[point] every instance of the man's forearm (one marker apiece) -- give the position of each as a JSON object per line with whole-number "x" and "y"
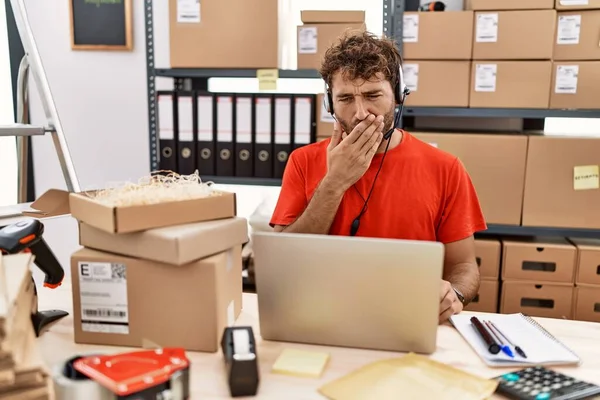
{"x": 320, "y": 212}
{"x": 465, "y": 278}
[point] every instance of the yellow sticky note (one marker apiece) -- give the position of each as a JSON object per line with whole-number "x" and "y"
{"x": 586, "y": 177}
{"x": 301, "y": 363}
{"x": 267, "y": 79}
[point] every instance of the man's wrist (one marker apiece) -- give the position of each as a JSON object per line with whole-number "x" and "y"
{"x": 331, "y": 187}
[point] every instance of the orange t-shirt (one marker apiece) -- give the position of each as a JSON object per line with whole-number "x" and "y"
{"x": 421, "y": 193}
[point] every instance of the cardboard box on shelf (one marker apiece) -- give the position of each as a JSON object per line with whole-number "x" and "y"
{"x": 588, "y": 261}
{"x": 575, "y": 85}
{"x": 138, "y": 218}
{"x": 224, "y": 34}
{"x": 510, "y": 84}
{"x": 562, "y": 182}
{"x": 498, "y": 183}
{"x": 125, "y": 301}
{"x": 537, "y": 299}
{"x": 437, "y": 83}
{"x": 576, "y": 36}
{"x": 514, "y": 35}
{"x": 488, "y": 255}
{"x": 487, "y": 298}
{"x": 437, "y": 35}
{"x": 586, "y": 305}
{"x": 321, "y": 29}
{"x": 551, "y": 259}
{"x": 509, "y": 4}
{"x": 178, "y": 244}
{"x": 577, "y": 4}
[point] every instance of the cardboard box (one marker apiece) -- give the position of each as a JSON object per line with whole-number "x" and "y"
{"x": 562, "y": 182}
{"x": 498, "y": 183}
{"x": 577, "y": 35}
{"x": 577, "y": 5}
{"x": 509, "y": 4}
{"x": 587, "y": 303}
{"x": 153, "y": 304}
{"x": 588, "y": 261}
{"x": 546, "y": 300}
{"x": 138, "y": 218}
{"x": 510, "y": 84}
{"x": 178, "y": 245}
{"x": 429, "y": 84}
{"x": 324, "y": 120}
{"x": 488, "y": 255}
{"x": 514, "y": 35}
{"x": 539, "y": 260}
{"x": 575, "y": 85}
{"x": 224, "y": 34}
{"x": 320, "y": 30}
{"x": 487, "y": 298}
{"x": 438, "y": 35}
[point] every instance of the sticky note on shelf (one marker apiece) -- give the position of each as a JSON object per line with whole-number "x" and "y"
{"x": 586, "y": 177}
{"x": 267, "y": 79}
{"x": 301, "y": 363}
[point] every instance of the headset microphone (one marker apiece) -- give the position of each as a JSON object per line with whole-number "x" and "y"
{"x": 433, "y": 6}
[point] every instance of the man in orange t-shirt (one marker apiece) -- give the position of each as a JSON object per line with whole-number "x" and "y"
{"x": 342, "y": 186}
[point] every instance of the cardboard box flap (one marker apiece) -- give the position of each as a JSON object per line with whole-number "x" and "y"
{"x": 331, "y": 17}
{"x": 52, "y": 203}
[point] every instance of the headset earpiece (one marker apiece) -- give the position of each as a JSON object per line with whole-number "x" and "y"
{"x": 327, "y": 100}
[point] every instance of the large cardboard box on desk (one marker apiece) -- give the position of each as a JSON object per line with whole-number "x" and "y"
{"x": 510, "y": 84}
{"x": 437, "y": 35}
{"x": 498, "y": 183}
{"x": 177, "y": 245}
{"x": 224, "y": 34}
{"x": 321, "y": 29}
{"x": 125, "y": 301}
{"x": 575, "y": 84}
{"x": 429, "y": 84}
{"x": 562, "y": 182}
{"x": 577, "y": 36}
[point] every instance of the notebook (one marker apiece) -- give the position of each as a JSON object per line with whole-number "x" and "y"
{"x": 539, "y": 345}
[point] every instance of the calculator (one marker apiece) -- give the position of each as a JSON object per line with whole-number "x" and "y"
{"x": 540, "y": 383}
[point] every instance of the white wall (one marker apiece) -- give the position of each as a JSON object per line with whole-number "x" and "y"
{"x": 8, "y": 150}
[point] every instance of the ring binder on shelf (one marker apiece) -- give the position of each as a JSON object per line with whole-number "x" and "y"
{"x": 263, "y": 136}
{"x": 283, "y": 133}
{"x": 205, "y": 128}
{"x": 225, "y": 152}
{"x": 186, "y": 143}
{"x": 243, "y": 135}
{"x": 166, "y": 130}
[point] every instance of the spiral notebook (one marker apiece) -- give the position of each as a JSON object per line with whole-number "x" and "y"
{"x": 539, "y": 345}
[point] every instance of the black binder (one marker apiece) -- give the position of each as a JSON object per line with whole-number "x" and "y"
{"x": 303, "y": 115}
{"x": 166, "y": 130}
{"x": 282, "y": 146}
{"x": 225, "y": 151}
{"x": 263, "y": 118}
{"x": 205, "y": 133}
{"x": 243, "y": 135}
{"x": 184, "y": 128}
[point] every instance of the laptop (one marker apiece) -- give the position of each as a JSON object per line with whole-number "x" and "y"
{"x": 368, "y": 293}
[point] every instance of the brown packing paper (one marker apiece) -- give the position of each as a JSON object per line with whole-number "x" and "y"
{"x": 410, "y": 377}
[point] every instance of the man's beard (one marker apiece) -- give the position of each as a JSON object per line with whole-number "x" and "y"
{"x": 388, "y": 120}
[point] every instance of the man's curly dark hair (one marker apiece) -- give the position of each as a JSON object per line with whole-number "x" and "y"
{"x": 361, "y": 55}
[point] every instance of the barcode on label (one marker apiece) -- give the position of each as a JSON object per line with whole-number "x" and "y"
{"x": 104, "y": 313}
{"x": 118, "y": 271}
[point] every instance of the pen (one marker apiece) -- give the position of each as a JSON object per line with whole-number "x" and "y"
{"x": 485, "y": 335}
{"x": 505, "y": 348}
{"x": 517, "y": 348}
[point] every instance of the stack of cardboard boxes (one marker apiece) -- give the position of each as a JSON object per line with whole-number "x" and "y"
{"x": 157, "y": 275}
{"x": 586, "y": 299}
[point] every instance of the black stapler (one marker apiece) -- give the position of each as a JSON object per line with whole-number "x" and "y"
{"x": 241, "y": 360}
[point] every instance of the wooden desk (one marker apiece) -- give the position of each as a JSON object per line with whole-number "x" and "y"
{"x": 207, "y": 373}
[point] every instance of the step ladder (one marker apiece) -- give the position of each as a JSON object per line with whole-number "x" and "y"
{"x": 32, "y": 62}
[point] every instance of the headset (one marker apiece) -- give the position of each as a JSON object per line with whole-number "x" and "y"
{"x": 400, "y": 93}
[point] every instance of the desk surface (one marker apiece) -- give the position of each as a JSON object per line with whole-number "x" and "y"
{"x": 208, "y": 379}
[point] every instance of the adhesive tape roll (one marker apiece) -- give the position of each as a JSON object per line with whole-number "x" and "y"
{"x": 78, "y": 387}
{"x": 241, "y": 341}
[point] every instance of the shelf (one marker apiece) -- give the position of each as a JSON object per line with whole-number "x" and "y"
{"x": 498, "y": 112}
{"x": 238, "y": 180}
{"x": 232, "y": 73}
{"x": 515, "y": 230}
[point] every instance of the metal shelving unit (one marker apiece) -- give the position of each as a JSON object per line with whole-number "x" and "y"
{"x": 393, "y": 10}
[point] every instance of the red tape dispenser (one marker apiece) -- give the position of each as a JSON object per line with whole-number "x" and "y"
{"x": 140, "y": 375}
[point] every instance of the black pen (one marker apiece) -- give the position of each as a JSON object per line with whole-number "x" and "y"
{"x": 492, "y": 346}
{"x": 517, "y": 348}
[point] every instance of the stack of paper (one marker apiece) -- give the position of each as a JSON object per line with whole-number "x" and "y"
{"x": 22, "y": 373}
